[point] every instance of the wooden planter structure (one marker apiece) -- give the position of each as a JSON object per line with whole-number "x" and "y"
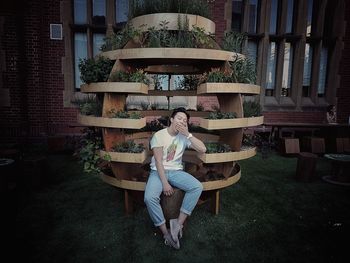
{"x": 130, "y": 170}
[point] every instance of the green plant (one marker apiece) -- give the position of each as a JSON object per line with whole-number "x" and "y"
{"x": 118, "y": 40}
{"x": 233, "y": 41}
{"x": 200, "y": 107}
{"x": 188, "y": 82}
{"x": 129, "y": 147}
{"x": 154, "y": 125}
{"x": 251, "y": 109}
{"x": 136, "y": 76}
{"x": 95, "y": 70}
{"x": 217, "y": 115}
{"x": 217, "y": 76}
{"x": 215, "y": 147}
{"x": 243, "y": 71}
{"x": 89, "y": 105}
{"x": 87, "y": 151}
{"x": 181, "y": 38}
{"x": 123, "y": 114}
{"x": 195, "y": 7}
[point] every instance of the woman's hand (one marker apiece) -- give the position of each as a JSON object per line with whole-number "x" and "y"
{"x": 167, "y": 189}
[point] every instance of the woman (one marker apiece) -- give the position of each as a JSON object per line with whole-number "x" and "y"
{"x": 168, "y": 146}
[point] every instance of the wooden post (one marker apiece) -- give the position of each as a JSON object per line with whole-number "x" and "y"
{"x": 128, "y": 202}
{"x": 215, "y": 202}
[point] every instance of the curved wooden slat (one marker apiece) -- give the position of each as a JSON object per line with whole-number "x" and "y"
{"x": 153, "y": 20}
{"x": 208, "y": 88}
{"x": 115, "y": 87}
{"x": 230, "y": 123}
{"x": 228, "y": 156}
{"x": 111, "y": 122}
{"x": 140, "y": 186}
{"x": 126, "y": 157}
{"x": 166, "y": 55}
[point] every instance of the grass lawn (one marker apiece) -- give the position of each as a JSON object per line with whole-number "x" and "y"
{"x": 266, "y": 217}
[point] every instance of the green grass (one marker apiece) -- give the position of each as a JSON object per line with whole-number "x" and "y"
{"x": 266, "y": 217}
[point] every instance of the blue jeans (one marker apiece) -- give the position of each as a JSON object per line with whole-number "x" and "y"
{"x": 179, "y": 179}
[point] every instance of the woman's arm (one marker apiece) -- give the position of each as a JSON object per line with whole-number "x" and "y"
{"x": 158, "y": 157}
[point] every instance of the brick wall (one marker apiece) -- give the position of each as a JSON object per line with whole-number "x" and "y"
{"x": 34, "y": 77}
{"x": 33, "y": 74}
{"x": 343, "y": 93}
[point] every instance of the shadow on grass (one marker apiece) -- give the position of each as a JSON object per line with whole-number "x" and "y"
{"x": 266, "y": 217}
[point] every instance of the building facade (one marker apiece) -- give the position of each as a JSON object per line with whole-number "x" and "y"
{"x": 300, "y": 49}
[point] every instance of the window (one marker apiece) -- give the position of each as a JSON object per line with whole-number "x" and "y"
{"x": 287, "y": 70}
{"x": 322, "y": 76}
{"x": 89, "y": 32}
{"x": 253, "y": 16}
{"x": 307, "y": 71}
{"x": 236, "y": 23}
{"x": 80, "y": 52}
{"x": 271, "y": 69}
{"x": 309, "y": 17}
{"x": 273, "y": 17}
{"x": 80, "y": 12}
{"x": 290, "y": 12}
{"x": 252, "y": 51}
{"x": 292, "y": 36}
{"x": 121, "y": 10}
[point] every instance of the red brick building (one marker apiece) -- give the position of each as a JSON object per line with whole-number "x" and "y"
{"x": 38, "y": 77}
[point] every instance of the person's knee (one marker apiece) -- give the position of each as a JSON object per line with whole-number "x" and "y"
{"x": 199, "y": 187}
{"x": 150, "y": 199}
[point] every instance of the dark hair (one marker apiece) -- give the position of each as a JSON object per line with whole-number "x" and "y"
{"x": 330, "y": 107}
{"x": 181, "y": 109}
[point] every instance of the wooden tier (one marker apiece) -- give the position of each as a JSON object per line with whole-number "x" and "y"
{"x": 228, "y": 156}
{"x": 168, "y": 113}
{"x": 209, "y": 88}
{"x": 141, "y": 57}
{"x": 126, "y": 157}
{"x": 117, "y": 87}
{"x": 172, "y": 93}
{"x": 140, "y": 186}
{"x": 111, "y": 122}
{"x": 144, "y": 22}
{"x": 230, "y": 123}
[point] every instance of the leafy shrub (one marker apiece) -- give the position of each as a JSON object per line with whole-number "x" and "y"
{"x": 95, "y": 70}
{"x": 195, "y": 7}
{"x": 243, "y": 71}
{"x": 233, "y": 41}
{"x": 89, "y": 105}
{"x": 217, "y": 115}
{"x": 128, "y": 147}
{"x": 118, "y": 40}
{"x": 215, "y": 147}
{"x": 87, "y": 151}
{"x": 123, "y": 114}
{"x": 218, "y": 76}
{"x": 189, "y": 82}
{"x": 154, "y": 126}
{"x": 251, "y": 109}
{"x": 137, "y": 76}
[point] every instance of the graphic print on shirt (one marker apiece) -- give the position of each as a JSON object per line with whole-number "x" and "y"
{"x": 170, "y": 154}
